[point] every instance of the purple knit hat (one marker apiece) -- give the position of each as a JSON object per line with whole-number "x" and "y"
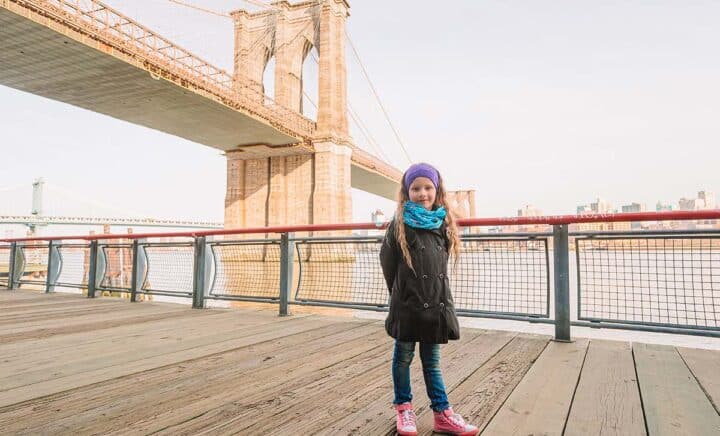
{"x": 421, "y": 170}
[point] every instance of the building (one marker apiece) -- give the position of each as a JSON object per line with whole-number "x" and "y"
{"x": 599, "y": 206}
{"x": 378, "y": 217}
{"x": 708, "y": 198}
{"x": 663, "y": 206}
{"x": 704, "y": 200}
{"x": 529, "y": 210}
{"x": 583, "y": 209}
{"x": 633, "y": 208}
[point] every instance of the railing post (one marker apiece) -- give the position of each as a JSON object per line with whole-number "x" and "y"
{"x": 135, "y": 270}
{"x": 562, "y": 282}
{"x": 92, "y": 269}
{"x": 53, "y": 266}
{"x": 287, "y": 254}
{"x": 11, "y": 266}
{"x": 199, "y": 270}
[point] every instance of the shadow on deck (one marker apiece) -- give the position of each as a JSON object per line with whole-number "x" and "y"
{"x": 80, "y": 366}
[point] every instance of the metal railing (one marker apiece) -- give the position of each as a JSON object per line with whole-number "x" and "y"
{"x": 165, "y": 58}
{"x": 654, "y": 281}
{"x": 655, "y": 278}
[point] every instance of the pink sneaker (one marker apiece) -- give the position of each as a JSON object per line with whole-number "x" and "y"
{"x": 449, "y": 422}
{"x": 405, "y": 420}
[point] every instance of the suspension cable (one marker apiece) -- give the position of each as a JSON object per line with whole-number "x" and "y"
{"x": 353, "y": 114}
{"x": 377, "y": 97}
{"x": 198, "y": 8}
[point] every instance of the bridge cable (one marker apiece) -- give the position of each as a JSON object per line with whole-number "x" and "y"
{"x": 198, "y": 8}
{"x": 353, "y": 114}
{"x": 377, "y": 97}
{"x": 358, "y": 122}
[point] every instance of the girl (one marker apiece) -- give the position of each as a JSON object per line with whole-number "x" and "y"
{"x": 414, "y": 257}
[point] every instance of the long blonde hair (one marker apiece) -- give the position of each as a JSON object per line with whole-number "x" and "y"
{"x": 451, "y": 226}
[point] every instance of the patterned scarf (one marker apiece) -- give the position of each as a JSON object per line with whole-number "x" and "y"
{"x": 418, "y": 217}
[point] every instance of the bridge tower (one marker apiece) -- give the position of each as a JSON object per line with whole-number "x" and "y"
{"x": 37, "y": 203}
{"x": 293, "y": 185}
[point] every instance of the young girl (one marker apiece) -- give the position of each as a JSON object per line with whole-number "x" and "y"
{"x": 414, "y": 258}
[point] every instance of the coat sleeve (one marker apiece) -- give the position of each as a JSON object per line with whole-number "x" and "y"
{"x": 389, "y": 256}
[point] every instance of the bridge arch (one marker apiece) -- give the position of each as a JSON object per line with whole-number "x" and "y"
{"x": 295, "y": 183}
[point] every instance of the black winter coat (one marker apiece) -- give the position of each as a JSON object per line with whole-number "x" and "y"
{"x": 421, "y": 305}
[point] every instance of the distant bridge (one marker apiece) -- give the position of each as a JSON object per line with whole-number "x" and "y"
{"x": 34, "y": 220}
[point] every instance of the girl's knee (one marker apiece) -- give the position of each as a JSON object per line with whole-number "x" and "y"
{"x": 430, "y": 356}
{"x": 404, "y": 353}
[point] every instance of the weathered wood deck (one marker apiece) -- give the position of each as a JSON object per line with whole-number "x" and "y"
{"x": 78, "y": 366}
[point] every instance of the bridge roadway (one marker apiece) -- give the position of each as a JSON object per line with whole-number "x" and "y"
{"x": 114, "y": 66}
{"x": 103, "y": 366}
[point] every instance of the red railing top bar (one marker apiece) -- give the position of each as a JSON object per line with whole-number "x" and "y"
{"x": 676, "y": 215}
{"x": 470, "y": 222}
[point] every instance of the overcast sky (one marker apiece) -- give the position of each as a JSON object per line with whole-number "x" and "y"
{"x": 549, "y": 103}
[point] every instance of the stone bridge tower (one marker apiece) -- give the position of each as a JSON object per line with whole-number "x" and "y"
{"x": 310, "y": 183}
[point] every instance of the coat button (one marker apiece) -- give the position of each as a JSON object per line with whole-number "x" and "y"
{"x": 426, "y": 305}
{"x": 439, "y": 247}
{"x": 442, "y": 305}
{"x": 441, "y": 275}
{"x": 425, "y": 276}
{"x": 422, "y": 247}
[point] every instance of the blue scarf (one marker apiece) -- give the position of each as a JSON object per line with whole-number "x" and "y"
{"x": 418, "y": 217}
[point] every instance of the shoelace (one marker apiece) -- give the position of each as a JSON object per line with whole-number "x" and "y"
{"x": 457, "y": 419}
{"x": 408, "y": 417}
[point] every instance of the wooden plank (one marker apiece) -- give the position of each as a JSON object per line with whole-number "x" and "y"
{"x": 237, "y": 412}
{"x": 177, "y": 392}
{"x": 370, "y": 409}
{"x": 480, "y": 396}
{"x": 673, "y": 401}
{"x": 22, "y": 296}
{"x": 64, "y": 313}
{"x": 372, "y": 387}
{"x": 44, "y": 304}
{"x": 32, "y": 366}
{"x": 110, "y": 324}
{"x": 705, "y": 366}
{"x": 29, "y": 369}
{"x": 541, "y": 401}
{"x": 607, "y": 399}
{"x": 131, "y": 363}
{"x": 26, "y": 324}
{"x": 81, "y": 339}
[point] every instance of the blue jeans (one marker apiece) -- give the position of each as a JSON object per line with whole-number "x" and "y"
{"x": 430, "y": 357}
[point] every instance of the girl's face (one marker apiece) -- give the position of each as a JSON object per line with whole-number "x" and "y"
{"x": 422, "y": 191}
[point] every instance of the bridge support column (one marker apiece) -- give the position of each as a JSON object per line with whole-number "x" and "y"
{"x": 247, "y": 191}
{"x": 332, "y": 202}
{"x": 296, "y": 189}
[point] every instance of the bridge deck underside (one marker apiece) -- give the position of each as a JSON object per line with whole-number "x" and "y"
{"x": 37, "y": 59}
{"x": 79, "y": 366}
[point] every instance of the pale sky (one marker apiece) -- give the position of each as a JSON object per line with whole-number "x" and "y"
{"x": 549, "y": 103}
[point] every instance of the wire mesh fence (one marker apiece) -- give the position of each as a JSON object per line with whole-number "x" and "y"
{"x": 169, "y": 268}
{"x": 502, "y": 275}
{"x": 33, "y": 263}
{"x": 74, "y": 260}
{"x": 246, "y": 269}
{"x": 651, "y": 280}
{"x": 646, "y": 280}
{"x": 116, "y": 263}
{"x": 341, "y": 271}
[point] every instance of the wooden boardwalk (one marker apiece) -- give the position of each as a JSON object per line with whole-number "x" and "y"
{"x": 106, "y": 366}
